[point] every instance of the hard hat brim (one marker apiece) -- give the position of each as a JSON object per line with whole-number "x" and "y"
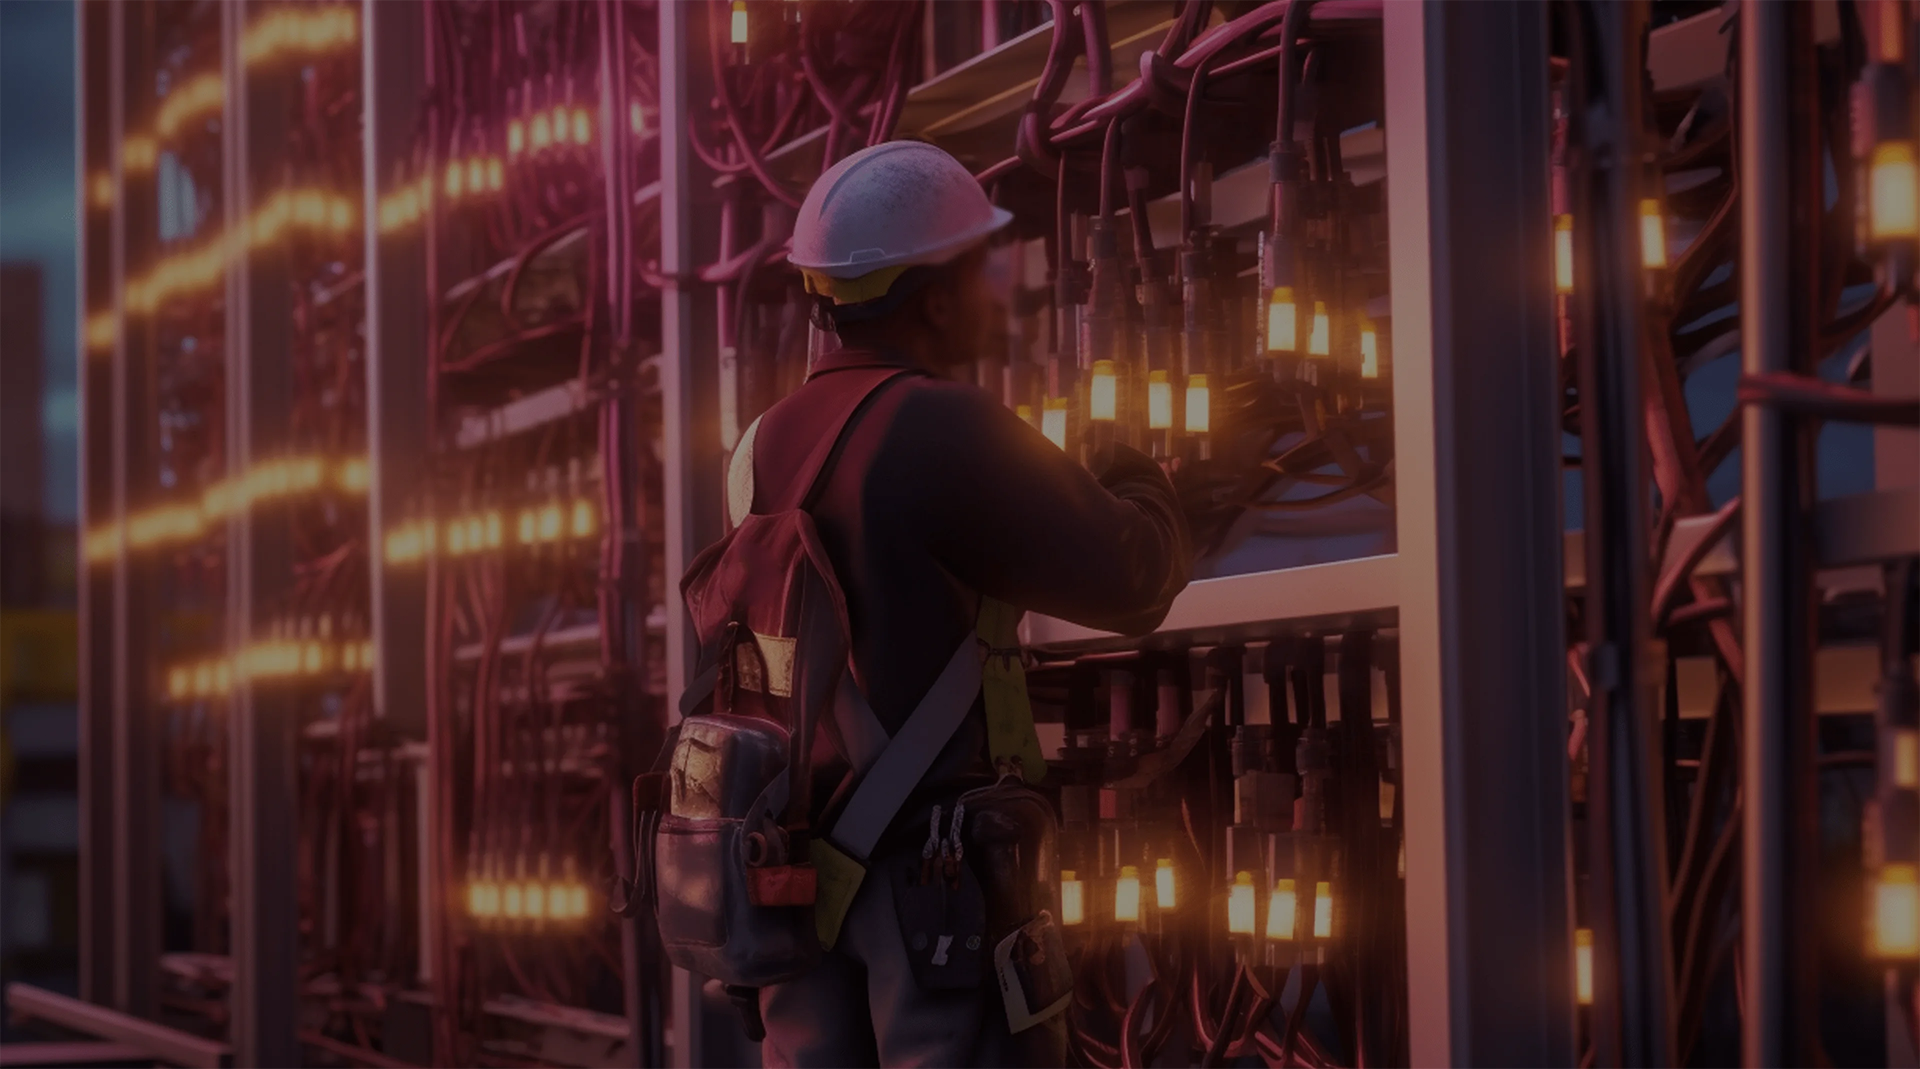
{"x": 936, "y": 254}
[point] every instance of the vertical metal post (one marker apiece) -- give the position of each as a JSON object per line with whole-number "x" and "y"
{"x": 1476, "y": 424}
{"x": 398, "y": 331}
{"x": 136, "y": 854}
{"x": 1625, "y": 815}
{"x": 623, "y": 615}
{"x": 99, "y": 104}
{"x": 1774, "y": 568}
{"x": 263, "y": 1001}
{"x": 690, "y": 451}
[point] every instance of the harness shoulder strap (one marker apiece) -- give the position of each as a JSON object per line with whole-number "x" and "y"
{"x": 808, "y": 482}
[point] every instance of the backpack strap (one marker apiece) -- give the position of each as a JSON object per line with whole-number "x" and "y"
{"x": 807, "y": 485}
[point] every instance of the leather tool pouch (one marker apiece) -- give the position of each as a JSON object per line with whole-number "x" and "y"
{"x": 1011, "y": 834}
{"x": 732, "y": 902}
{"x": 943, "y": 922}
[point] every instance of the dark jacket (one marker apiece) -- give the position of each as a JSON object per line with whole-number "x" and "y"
{"x": 940, "y": 494}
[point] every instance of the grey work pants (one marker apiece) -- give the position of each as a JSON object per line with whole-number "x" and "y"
{"x": 860, "y": 1006}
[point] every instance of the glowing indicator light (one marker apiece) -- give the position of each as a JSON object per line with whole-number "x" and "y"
{"x": 177, "y": 683}
{"x": 582, "y": 523}
{"x": 1896, "y": 912}
{"x": 582, "y": 126}
{"x": 517, "y": 138}
{"x": 1891, "y": 185}
{"x": 1563, "y": 254}
{"x": 1103, "y": 391}
{"x": 1282, "y": 321}
{"x": 738, "y": 34}
{"x": 549, "y": 523}
{"x": 496, "y": 174}
{"x": 455, "y": 179}
{"x": 1126, "y": 896}
{"x": 1240, "y": 905}
{"x": 540, "y": 134}
{"x": 1906, "y": 758}
{"x": 492, "y": 525}
{"x": 1073, "y": 898}
{"x": 1199, "y": 407}
{"x": 511, "y": 902}
{"x": 1317, "y": 342}
{"x": 1053, "y": 421}
{"x": 476, "y": 174}
{"x": 1323, "y": 910}
{"x": 1369, "y": 350}
{"x": 577, "y": 900}
{"x": 526, "y": 526}
{"x": 560, "y": 127}
{"x": 1653, "y": 235}
{"x": 1163, "y": 889}
{"x": 536, "y": 904}
{"x": 1282, "y": 908}
{"x": 637, "y": 118}
{"x": 1583, "y": 966}
{"x": 1159, "y": 401}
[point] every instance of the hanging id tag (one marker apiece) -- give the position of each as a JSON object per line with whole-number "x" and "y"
{"x": 1036, "y": 980}
{"x": 942, "y": 925}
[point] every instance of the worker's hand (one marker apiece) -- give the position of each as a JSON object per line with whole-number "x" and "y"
{"x": 1209, "y": 493}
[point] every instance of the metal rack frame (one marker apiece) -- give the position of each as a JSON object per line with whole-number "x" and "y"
{"x": 1475, "y": 589}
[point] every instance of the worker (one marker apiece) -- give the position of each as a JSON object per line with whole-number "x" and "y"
{"x": 939, "y": 501}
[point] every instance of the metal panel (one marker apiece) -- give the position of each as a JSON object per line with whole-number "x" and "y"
{"x": 265, "y": 940}
{"x": 690, "y": 436}
{"x": 135, "y": 842}
{"x": 1337, "y": 595}
{"x": 97, "y": 150}
{"x": 1489, "y": 942}
{"x": 398, "y": 332}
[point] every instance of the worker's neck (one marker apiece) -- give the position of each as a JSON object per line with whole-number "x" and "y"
{"x": 906, "y": 344}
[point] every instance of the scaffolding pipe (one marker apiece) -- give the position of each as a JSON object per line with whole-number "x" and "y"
{"x": 1772, "y": 1031}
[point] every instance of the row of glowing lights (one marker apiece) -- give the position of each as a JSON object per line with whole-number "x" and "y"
{"x": 269, "y": 660}
{"x": 1653, "y": 244}
{"x": 1896, "y": 912}
{"x": 270, "y": 480}
{"x": 312, "y": 211}
{"x": 1103, "y": 391}
{"x": 480, "y": 532}
{"x": 479, "y": 175}
{"x": 528, "y": 899}
{"x": 1895, "y": 916}
{"x": 1894, "y": 215}
{"x": 1283, "y": 909}
{"x": 1103, "y": 387}
{"x": 310, "y": 31}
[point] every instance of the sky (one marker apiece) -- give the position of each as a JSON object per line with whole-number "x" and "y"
{"x": 37, "y": 207}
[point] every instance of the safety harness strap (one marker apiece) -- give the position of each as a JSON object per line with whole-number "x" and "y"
{"x": 908, "y": 756}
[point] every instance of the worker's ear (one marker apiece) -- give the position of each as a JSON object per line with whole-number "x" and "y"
{"x": 938, "y": 309}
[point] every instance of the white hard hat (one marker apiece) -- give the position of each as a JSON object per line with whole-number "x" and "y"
{"x": 894, "y": 205}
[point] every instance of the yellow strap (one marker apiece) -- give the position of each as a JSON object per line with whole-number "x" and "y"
{"x": 1011, "y": 738}
{"x": 868, "y": 287}
{"x": 839, "y": 879}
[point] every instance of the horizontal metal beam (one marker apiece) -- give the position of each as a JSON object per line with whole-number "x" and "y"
{"x": 157, "y": 1041}
{"x": 69, "y": 1053}
{"x": 1339, "y": 594}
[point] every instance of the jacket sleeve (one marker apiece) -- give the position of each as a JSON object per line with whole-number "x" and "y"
{"x": 1008, "y": 514}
